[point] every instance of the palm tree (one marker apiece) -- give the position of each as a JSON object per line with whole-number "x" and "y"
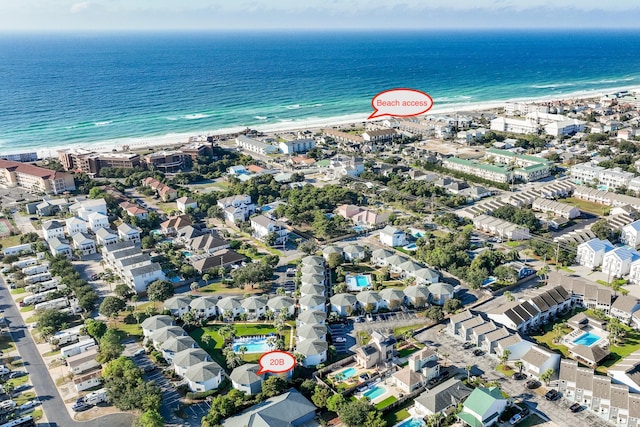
{"x": 227, "y": 332}
{"x": 543, "y": 273}
{"x": 300, "y": 358}
{"x": 272, "y": 342}
{"x": 407, "y": 335}
{"x": 558, "y": 331}
{"x": 513, "y": 255}
{"x": 194, "y": 286}
{"x": 206, "y": 340}
{"x": 504, "y": 357}
{"x": 242, "y": 350}
{"x": 434, "y": 420}
{"x": 280, "y": 291}
{"x": 231, "y": 357}
{"x": 468, "y": 368}
{"x": 519, "y": 365}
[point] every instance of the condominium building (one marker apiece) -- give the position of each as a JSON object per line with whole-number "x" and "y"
{"x": 586, "y": 173}
{"x": 90, "y": 162}
{"x": 485, "y": 171}
{"x": 34, "y": 178}
{"x": 297, "y": 146}
{"x": 250, "y": 144}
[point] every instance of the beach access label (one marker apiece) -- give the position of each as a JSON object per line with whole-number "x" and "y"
{"x": 400, "y": 102}
{"x": 276, "y": 362}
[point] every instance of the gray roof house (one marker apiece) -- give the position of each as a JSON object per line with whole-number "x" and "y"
{"x": 313, "y": 279}
{"x": 312, "y": 289}
{"x": 312, "y": 260}
{"x": 245, "y": 378}
{"x": 205, "y": 306}
{"x": 442, "y": 397}
{"x": 343, "y": 304}
{"x": 178, "y": 305}
{"x": 163, "y": 334}
{"x": 312, "y": 269}
{"x": 153, "y": 323}
{"x": 327, "y": 251}
{"x": 174, "y": 345}
{"x": 311, "y": 332}
{"x": 312, "y": 316}
{"x": 290, "y": 409}
{"x": 204, "y": 376}
{"x": 276, "y": 304}
{"x": 440, "y": 292}
{"x": 417, "y": 294}
{"x": 188, "y": 357}
{"x": 392, "y": 298}
{"x": 354, "y": 252}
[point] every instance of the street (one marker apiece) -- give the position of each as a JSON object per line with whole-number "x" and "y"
{"x": 55, "y": 409}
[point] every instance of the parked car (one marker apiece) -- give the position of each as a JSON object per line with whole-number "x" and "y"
{"x": 478, "y": 352}
{"x": 17, "y": 374}
{"x": 575, "y": 407}
{"x": 525, "y": 411}
{"x": 80, "y": 406}
{"x": 28, "y": 405}
{"x": 531, "y": 384}
{"x": 551, "y": 395}
{"x": 149, "y": 368}
{"x": 515, "y": 419}
{"x": 519, "y": 376}
{"x": 340, "y": 339}
{"x": 139, "y": 352}
{"x": 467, "y": 345}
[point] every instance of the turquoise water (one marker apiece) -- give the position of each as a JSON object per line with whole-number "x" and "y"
{"x": 347, "y": 373}
{"x": 256, "y": 345}
{"x": 411, "y": 422}
{"x": 375, "y": 392}
{"x": 488, "y": 281}
{"x": 603, "y": 188}
{"x": 587, "y": 339}
{"x": 78, "y": 89}
{"x": 359, "y": 228}
{"x": 174, "y": 279}
{"x": 411, "y": 247}
{"x": 187, "y": 254}
{"x": 359, "y": 282}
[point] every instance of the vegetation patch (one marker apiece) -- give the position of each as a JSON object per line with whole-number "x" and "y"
{"x": 386, "y": 402}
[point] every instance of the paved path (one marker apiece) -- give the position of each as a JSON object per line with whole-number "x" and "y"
{"x": 55, "y": 409}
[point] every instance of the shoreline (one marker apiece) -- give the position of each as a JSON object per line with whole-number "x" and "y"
{"x": 136, "y": 143}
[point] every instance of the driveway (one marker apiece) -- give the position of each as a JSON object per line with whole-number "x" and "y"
{"x": 54, "y": 408}
{"x": 451, "y": 350}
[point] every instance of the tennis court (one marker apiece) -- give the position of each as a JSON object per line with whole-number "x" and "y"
{"x": 5, "y": 227}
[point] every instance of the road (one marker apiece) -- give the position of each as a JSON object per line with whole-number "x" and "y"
{"x": 55, "y": 410}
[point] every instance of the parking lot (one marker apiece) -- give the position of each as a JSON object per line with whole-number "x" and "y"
{"x": 393, "y": 320}
{"x": 485, "y": 365}
{"x": 340, "y": 332}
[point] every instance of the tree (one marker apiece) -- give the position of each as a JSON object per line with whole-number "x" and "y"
{"x": 435, "y": 313}
{"x": 335, "y": 260}
{"x": 95, "y": 328}
{"x": 468, "y": 368}
{"x": 123, "y": 291}
{"x": 309, "y": 247}
{"x": 616, "y": 331}
{"x": 307, "y": 387}
{"x": 509, "y": 296}
{"x": 252, "y": 273}
{"x": 354, "y": 413}
{"x": 51, "y": 321}
{"x": 336, "y": 402}
{"x": 518, "y": 364}
{"x": 232, "y": 358}
{"x": 206, "y": 340}
{"x": 602, "y": 229}
{"x": 506, "y": 274}
{"x": 126, "y": 389}
{"x": 451, "y": 305}
{"x": 110, "y": 346}
{"x": 194, "y": 286}
{"x": 504, "y": 357}
{"x": 111, "y": 305}
{"x": 558, "y": 331}
{"x": 160, "y": 290}
{"x": 321, "y": 396}
{"x": 150, "y": 418}
{"x": 547, "y": 375}
{"x": 274, "y": 386}
{"x": 300, "y": 358}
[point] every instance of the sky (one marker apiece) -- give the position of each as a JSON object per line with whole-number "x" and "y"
{"x": 127, "y": 15}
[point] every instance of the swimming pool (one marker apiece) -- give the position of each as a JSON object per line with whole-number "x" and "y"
{"x": 347, "y": 373}
{"x": 187, "y": 254}
{"x": 411, "y": 247}
{"x": 377, "y": 391}
{"x": 587, "y": 339}
{"x": 411, "y": 422}
{"x": 358, "y": 283}
{"x": 174, "y": 279}
{"x": 253, "y": 345}
{"x": 360, "y": 228}
{"x": 489, "y": 280}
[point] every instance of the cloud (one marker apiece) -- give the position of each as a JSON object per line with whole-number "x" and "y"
{"x": 79, "y": 6}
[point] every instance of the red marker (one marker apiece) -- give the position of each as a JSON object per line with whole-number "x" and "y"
{"x": 400, "y": 102}
{"x": 276, "y": 362}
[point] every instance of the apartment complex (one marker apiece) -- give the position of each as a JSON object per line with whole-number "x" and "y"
{"x": 586, "y": 173}
{"x": 250, "y": 144}
{"x": 34, "y": 178}
{"x": 90, "y": 162}
{"x": 482, "y": 170}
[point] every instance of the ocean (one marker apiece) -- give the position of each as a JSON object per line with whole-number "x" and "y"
{"x": 92, "y": 89}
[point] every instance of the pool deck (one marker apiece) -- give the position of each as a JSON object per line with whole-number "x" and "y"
{"x": 353, "y": 380}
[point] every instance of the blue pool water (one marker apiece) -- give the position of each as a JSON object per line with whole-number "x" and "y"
{"x": 253, "y": 345}
{"x": 489, "y": 280}
{"x": 174, "y": 279}
{"x": 411, "y": 247}
{"x": 358, "y": 283}
{"x": 377, "y": 391}
{"x": 187, "y": 254}
{"x": 411, "y": 422}
{"x": 587, "y": 339}
{"x": 603, "y": 188}
{"x": 347, "y": 373}
{"x": 359, "y": 228}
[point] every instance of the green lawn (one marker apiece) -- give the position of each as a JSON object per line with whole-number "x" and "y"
{"x": 6, "y": 344}
{"x": 386, "y": 402}
{"x": 26, "y": 309}
{"x": 18, "y": 291}
{"x": 10, "y": 241}
{"x": 219, "y": 287}
{"x": 583, "y": 205}
{"x": 217, "y": 342}
{"x": 512, "y": 244}
{"x": 132, "y": 330}
{"x": 358, "y": 268}
{"x": 24, "y": 398}
{"x": 546, "y": 340}
{"x": 505, "y": 370}
{"x": 393, "y": 418}
{"x": 19, "y": 381}
{"x": 630, "y": 343}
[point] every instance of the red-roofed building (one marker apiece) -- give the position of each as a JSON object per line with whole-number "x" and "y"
{"x": 34, "y": 178}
